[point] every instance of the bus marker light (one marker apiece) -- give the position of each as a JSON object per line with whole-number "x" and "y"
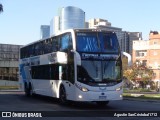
{"x": 84, "y": 89}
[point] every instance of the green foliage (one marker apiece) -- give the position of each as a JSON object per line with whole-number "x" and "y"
{"x": 125, "y": 63}
{"x": 136, "y": 90}
{"x": 138, "y": 73}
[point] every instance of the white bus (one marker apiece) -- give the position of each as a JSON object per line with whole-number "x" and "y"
{"x": 75, "y": 65}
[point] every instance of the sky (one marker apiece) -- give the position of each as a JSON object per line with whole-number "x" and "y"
{"x": 21, "y": 20}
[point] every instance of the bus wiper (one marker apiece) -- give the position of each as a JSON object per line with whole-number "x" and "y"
{"x": 109, "y": 80}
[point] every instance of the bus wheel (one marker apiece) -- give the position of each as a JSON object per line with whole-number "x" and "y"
{"x": 102, "y": 103}
{"x": 62, "y": 95}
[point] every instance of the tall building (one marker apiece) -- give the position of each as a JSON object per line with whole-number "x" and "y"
{"x": 96, "y": 22}
{"x": 51, "y": 27}
{"x": 9, "y": 62}
{"x": 55, "y": 25}
{"x": 68, "y": 17}
{"x": 148, "y": 53}
{"x": 133, "y": 36}
{"x": 72, "y": 17}
{"x": 44, "y": 31}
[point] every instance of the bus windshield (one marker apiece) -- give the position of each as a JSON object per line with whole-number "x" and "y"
{"x": 99, "y": 71}
{"x": 97, "y": 42}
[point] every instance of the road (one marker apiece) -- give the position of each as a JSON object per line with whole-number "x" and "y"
{"x": 17, "y": 101}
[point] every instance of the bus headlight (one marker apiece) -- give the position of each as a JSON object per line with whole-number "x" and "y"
{"x": 82, "y": 88}
{"x": 119, "y": 88}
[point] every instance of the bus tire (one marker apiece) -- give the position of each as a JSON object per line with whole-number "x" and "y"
{"x": 62, "y": 95}
{"x": 102, "y": 103}
{"x": 28, "y": 90}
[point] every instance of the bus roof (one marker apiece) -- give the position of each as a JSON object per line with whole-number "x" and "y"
{"x": 70, "y": 30}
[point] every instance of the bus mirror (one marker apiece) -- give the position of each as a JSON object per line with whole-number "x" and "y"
{"x": 77, "y": 57}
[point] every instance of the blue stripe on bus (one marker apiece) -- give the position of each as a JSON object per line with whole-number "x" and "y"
{"x": 22, "y": 71}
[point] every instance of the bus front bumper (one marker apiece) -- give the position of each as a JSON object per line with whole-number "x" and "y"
{"x": 99, "y": 96}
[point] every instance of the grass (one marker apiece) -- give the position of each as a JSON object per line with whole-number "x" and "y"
{"x": 142, "y": 96}
{"x": 9, "y": 87}
{"x": 136, "y": 90}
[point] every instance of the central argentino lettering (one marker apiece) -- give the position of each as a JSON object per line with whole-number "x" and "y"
{"x": 98, "y": 56}
{"x": 85, "y": 55}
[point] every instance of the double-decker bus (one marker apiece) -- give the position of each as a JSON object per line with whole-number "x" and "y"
{"x": 75, "y": 65}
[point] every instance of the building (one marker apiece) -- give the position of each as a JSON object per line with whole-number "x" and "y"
{"x": 148, "y": 53}
{"x": 55, "y": 25}
{"x": 51, "y": 32}
{"x": 154, "y": 35}
{"x": 95, "y": 22}
{"x": 131, "y": 37}
{"x": 9, "y": 62}
{"x": 71, "y": 17}
{"x": 44, "y": 31}
{"x": 68, "y": 17}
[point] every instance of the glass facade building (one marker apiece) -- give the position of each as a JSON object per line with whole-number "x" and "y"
{"x": 72, "y": 17}
{"x": 44, "y": 31}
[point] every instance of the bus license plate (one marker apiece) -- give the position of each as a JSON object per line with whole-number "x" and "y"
{"x": 102, "y": 97}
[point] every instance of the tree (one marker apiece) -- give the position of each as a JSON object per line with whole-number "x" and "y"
{"x": 1, "y": 8}
{"x": 139, "y": 73}
{"x": 124, "y": 63}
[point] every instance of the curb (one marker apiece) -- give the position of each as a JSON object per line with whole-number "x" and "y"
{"x": 11, "y": 91}
{"x": 139, "y": 99}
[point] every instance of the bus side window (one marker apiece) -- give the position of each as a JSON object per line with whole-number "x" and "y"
{"x": 36, "y": 49}
{"x": 64, "y": 42}
{"x": 56, "y": 72}
{"x": 64, "y": 72}
{"x": 22, "y": 53}
{"x": 70, "y": 44}
{"x": 49, "y": 45}
{"x": 41, "y": 48}
{"x": 46, "y": 46}
{"x": 107, "y": 42}
{"x": 54, "y": 44}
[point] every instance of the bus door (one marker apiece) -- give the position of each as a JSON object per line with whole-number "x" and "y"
{"x": 28, "y": 74}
